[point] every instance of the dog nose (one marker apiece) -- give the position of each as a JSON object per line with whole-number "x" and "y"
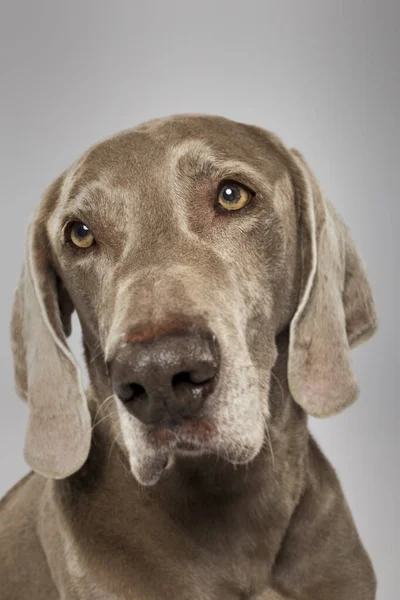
{"x": 166, "y": 379}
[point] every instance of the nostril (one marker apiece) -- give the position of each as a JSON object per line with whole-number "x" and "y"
{"x": 202, "y": 376}
{"x": 198, "y": 377}
{"x": 130, "y": 391}
{"x": 137, "y": 390}
{"x": 181, "y": 378}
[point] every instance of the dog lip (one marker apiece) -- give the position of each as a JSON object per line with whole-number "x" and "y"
{"x": 187, "y": 446}
{"x": 190, "y": 434}
{"x": 162, "y": 434}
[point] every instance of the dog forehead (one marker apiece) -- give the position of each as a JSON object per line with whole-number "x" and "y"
{"x": 150, "y": 151}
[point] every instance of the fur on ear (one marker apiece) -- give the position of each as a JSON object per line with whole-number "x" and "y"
{"x": 336, "y": 310}
{"x": 47, "y": 376}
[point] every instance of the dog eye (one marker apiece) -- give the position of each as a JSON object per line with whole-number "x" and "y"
{"x": 233, "y": 196}
{"x": 81, "y": 235}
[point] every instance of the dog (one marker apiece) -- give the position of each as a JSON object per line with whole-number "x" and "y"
{"x": 219, "y": 294}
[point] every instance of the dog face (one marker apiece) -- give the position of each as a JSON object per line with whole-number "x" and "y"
{"x": 186, "y": 246}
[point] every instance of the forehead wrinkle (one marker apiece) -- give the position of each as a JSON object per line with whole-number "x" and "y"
{"x": 199, "y": 160}
{"x": 195, "y": 153}
{"x": 99, "y": 201}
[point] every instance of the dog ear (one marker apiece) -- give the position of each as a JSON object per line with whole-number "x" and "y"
{"x": 336, "y": 310}
{"x": 47, "y": 376}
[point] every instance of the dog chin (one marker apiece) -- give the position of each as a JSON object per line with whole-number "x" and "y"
{"x": 149, "y": 468}
{"x": 152, "y": 450}
{"x": 148, "y": 472}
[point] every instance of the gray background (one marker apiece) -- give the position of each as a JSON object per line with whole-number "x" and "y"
{"x": 321, "y": 74}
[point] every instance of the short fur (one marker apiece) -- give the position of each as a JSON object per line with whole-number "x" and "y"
{"x": 256, "y": 512}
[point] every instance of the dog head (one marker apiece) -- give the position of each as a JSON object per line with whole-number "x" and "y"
{"x": 186, "y": 246}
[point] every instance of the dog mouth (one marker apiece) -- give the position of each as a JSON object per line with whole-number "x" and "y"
{"x": 166, "y": 442}
{"x": 191, "y": 436}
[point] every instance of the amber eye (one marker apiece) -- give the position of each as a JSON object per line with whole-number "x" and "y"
{"x": 233, "y": 196}
{"x": 81, "y": 235}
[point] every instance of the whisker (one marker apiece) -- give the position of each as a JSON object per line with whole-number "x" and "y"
{"x": 113, "y": 443}
{"x": 119, "y": 458}
{"x": 270, "y": 444}
{"x": 102, "y": 404}
{"x": 96, "y": 356}
{"x": 98, "y": 351}
{"x": 103, "y": 419}
{"x": 280, "y": 386}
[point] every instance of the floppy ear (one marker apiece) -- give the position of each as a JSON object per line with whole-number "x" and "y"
{"x": 336, "y": 310}
{"x": 47, "y": 376}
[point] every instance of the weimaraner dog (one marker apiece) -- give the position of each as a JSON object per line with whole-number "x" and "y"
{"x": 219, "y": 294}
